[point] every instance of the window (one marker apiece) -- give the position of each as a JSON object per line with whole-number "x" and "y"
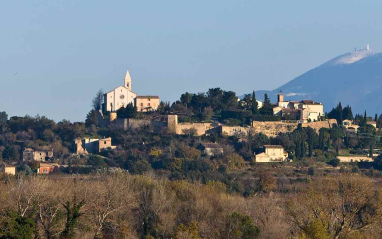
{"x": 104, "y": 142}
{"x": 45, "y": 171}
{"x": 148, "y": 99}
{"x": 148, "y": 104}
{"x": 141, "y": 104}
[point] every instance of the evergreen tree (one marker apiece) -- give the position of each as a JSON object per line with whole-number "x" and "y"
{"x": 254, "y": 103}
{"x": 98, "y": 100}
{"x": 337, "y": 113}
{"x": 130, "y": 111}
{"x": 267, "y": 101}
{"x": 364, "y": 122}
{"x": 267, "y": 106}
{"x": 347, "y": 113}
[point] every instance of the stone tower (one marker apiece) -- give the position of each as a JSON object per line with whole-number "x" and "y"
{"x": 280, "y": 97}
{"x": 128, "y": 80}
{"x": 172, "y": 123}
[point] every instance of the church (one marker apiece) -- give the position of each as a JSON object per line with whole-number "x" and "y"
{"x": 121, "y": 96}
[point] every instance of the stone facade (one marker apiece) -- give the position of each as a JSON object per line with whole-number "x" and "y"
{"x": 121, "y": 96}
{"x": 8, "y": 169}
{"x": 118, "y": 98}
{"x": 211, "y": 149}
{"x": 305, "y": 110}
{"x": 39, "y": 154}
{"x": 327, "y": 124}
{"x": 273, "y": 128}
{"x": 354, "y": 158}
{"x": 147, "y": 103}
{"x": 273, "y": 153}
{"x": 173, "y": 126}
{"x": 87, "y": 145}
{"x": 233, "y": 130}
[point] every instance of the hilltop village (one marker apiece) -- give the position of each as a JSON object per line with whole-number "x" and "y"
{"x": 136, "y": 156}
{"x": 255, "y": 131}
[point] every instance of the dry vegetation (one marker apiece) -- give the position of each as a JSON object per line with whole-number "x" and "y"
{"x": 124, "y": 206}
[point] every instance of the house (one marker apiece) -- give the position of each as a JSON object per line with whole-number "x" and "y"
{"x": 147, "y": 103}
{"x": 121, "y": 96}
{"x": 273, "y": 153}
{"x": 211, "y": 149}
{"x": 8, "y": 169}
{"x": 47, "y": 168}
{"x": 43, "y": 153}
{"x": 88, "y": 145}
{"x": 373, "y": 123}
{"x": 350, "y": 126}
{"x": 305, "y": 110}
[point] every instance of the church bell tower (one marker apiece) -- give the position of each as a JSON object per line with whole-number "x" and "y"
{"x": 128, "y": 81}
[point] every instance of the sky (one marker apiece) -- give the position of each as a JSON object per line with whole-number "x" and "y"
{"x": 56, "y": 54}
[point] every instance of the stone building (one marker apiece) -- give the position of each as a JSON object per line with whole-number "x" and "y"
{"x": 198, "y": 129}
{"x": 211, "y": 149}
{"x": 47, "y": 168}
{"x": 273, "y": 153}
{"x": 88, "y": 145}
{"x": 147, "y": 103}
{"x": 43, "y": 153}
{"x": 120, "y": 97}
{"x": 305, "y": 110}
{"x": 8, "y": 169}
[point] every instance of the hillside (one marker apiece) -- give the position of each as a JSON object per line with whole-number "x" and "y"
{"x": 354, "y": 78}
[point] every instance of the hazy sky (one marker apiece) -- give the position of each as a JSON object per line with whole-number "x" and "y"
{"x": 56, "y": 54}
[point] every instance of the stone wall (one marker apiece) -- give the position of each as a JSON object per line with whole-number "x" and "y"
{"x": 327, "y": 124}
{"x": 200, "y": 128}
{"x": 233, "y": 130}
{"x": 272, "y": 128}
{"x": 348, "y": 159}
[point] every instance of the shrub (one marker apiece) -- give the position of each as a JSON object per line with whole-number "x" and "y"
{"x": 334, "y": 162}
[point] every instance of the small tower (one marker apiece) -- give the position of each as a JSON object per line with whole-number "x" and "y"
{"x": 128, "y": 80}
{"x": 368, "y": 47}
{"x": 280, "y": 97}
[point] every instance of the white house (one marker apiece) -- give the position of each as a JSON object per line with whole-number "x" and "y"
{"x": 273, "y": 153}
{"x": 305, "y": 110}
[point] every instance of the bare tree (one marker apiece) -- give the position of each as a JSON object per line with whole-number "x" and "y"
{"x": 336, "y": 207}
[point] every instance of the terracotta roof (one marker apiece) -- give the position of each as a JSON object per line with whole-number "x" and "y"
{"x": 274, "y": 146}
{"x": 147, "y": 96}
{"x": 310, "y": 102}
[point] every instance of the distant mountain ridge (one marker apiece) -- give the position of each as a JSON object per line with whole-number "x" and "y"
{"x": 354, "y": 78}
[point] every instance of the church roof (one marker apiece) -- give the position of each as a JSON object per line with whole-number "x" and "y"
{"x": 117, "y": 88}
